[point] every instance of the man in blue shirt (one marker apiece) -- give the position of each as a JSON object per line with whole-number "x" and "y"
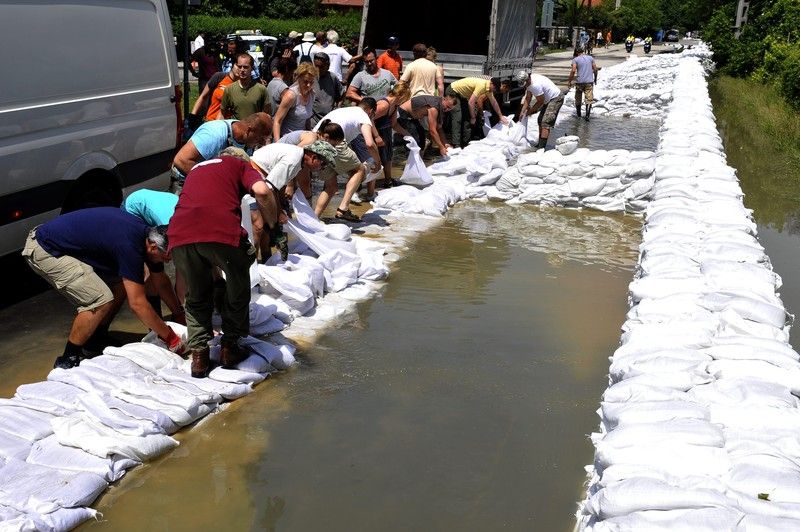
{"x": 215, "y": 135}
{"x": 96, "y": 258}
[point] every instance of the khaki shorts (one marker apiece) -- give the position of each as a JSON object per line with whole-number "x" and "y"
{"x": 75, "y": 280}
{"x": 346, "y": 162}
{"x": 549, "y": 112}
{"x": 584, "y": 89}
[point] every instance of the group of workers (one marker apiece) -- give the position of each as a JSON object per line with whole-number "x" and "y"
{"x": 276, "y": 139}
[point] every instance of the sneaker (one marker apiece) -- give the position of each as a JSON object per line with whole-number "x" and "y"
{"x": 67, "y": 361}
{"x": 355, "y": 199}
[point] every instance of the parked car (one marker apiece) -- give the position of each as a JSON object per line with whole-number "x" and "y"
{"x": 672, "y": 36}
{"x": 257, "y": 44}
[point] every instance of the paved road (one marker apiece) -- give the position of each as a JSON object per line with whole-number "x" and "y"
{"x": 556, "y": 65}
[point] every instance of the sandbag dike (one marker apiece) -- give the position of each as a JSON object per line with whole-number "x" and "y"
{"x": 62, "y": 441}
{"x": 699, "y": 425}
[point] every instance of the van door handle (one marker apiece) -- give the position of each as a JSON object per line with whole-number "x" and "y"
{"x": 172, "y": 98}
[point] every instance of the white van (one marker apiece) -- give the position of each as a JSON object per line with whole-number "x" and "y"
{"x": 89, "y": 107}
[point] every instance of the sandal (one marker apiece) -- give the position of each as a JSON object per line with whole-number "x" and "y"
{"x": 346, "y": 215}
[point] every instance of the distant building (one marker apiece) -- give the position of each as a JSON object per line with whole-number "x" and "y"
{"x": 344, "y": 5}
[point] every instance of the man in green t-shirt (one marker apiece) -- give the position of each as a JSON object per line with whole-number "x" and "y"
{"x": 245, "y": 96}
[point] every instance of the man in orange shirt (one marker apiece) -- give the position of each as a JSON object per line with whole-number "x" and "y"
{"x": 212, "y": 96}
{"x": 390, "y": 59}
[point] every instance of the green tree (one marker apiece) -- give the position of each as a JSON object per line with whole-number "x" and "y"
{"x": 639, "y": 17}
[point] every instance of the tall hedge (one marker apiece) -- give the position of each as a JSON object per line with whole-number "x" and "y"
{"x": 348, "y": 25}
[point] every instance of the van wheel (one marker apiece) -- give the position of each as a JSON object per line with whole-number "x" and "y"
{"x": 93, "y": 189}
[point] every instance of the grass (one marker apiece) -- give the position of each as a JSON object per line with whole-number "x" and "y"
{"x": 761, "y": 134}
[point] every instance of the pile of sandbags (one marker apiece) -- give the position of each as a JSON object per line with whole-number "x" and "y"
{"x": 698, "y": 428}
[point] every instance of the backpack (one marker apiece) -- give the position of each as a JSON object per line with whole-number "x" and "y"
{"x": 304, "y": 55}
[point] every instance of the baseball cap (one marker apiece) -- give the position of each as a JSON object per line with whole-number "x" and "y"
{"x": 393, "y": 40}
{"x": 324, "y": 150}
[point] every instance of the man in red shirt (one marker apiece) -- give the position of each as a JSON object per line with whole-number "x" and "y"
{"x": 206, "y": 231}
{"x": 390, "y": 59}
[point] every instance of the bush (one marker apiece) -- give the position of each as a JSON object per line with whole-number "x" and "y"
{"x": 347, "y": 25}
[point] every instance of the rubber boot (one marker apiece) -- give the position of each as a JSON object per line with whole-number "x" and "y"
{"x": 578, "y": 110}
{"x": 230, "y": 353}
{"x": 200, "y": 363}
{"x": 542, "y": 143}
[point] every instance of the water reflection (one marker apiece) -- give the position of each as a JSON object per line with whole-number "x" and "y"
{"x": 607, "y": 240}
{"x": 609, "y": 132}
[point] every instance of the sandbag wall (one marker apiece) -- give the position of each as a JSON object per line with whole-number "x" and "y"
{"x": 700, "y": 427}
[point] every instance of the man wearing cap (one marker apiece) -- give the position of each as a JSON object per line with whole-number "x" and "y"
{"x": 212, "y": 137}
{"x": 206, "y": 232}
{"x": 390, "y": 59}
{"x": 96, "y": 259}
{"x": 280, "y": 163}
{"x": 463, "y": 116}
{"x": 547, "y": 101}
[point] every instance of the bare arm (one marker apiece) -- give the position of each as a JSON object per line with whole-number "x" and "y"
{"x": 572, "y": 74}
{"x": 187, "y": 157}
{"x": 167, "y": 293}
{"x": 138, "y": 303}
{"x": 473, "y": 104}
{"x": 201, "y": 100}
{"x": 496, "y": 107}
{"x": 287, "y": 102}
{"x": 436, "y": 131}
{"x": 353, "y": 95}
{"x": 369, "y": 132}
{"x": 397, "y": 127}
{"x": 440, "y": 79}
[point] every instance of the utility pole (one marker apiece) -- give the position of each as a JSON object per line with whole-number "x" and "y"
{"x": 741, "y": 16}
{"x": 364, "y": 13}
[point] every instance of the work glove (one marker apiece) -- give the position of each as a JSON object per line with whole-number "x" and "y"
{"x": 174, "y": 343}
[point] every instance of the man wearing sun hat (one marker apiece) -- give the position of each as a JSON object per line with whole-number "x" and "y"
{"x": 305, "y": 50}
{"x": 280, "y": 163}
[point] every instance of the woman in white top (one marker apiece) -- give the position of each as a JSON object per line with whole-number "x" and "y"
{"x": 296, "y": 103}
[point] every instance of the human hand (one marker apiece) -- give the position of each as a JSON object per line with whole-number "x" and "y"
{"x": 174, "y": 343}
{"x": 504, "y": 119}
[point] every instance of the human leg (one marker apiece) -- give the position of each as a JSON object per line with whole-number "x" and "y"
{"x": 235, "y": 262}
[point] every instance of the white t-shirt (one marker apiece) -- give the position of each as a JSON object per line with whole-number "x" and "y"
{"x": 282, "y": 162}
{"x": 350, "y": 119}
{"x": 337, "y": 55}
{"x": 542, "y": 86}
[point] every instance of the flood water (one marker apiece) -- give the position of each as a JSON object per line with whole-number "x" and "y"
{"x": 460, "y": 399}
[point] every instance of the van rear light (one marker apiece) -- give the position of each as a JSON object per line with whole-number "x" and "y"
{"x": 178, "y": 116}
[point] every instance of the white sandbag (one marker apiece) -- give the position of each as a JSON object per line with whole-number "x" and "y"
{"x": 236, "y": 376}
{"x": 631, "y": 391}
{"x": 277, "y": 356}
{"x": 617, "y": 414}
{"x": 534, "y": 170}
{"x": 567, "y": 148}
{"x": 343, "y": 266}
{"x": 609, "y": 172}
{"x": 48, "y": 452}
{"x": 490, "y": 177}
{"x": 294, "y": 286}
{"x": 25, "y": 423}
{"x": 276, "y": 307}
{"x": 604, "y": 204}
{"x": 40, "y": 405}
{"x": 675, "y": 459}
{"x": 33, "y": 488}
{"x": 60, "y": 519}
{"x": 745, "y": 391}
{"x": 766, "y": 523}
{"x": 640, "y": 494}
{"x": 585, "y": 186}
{"x": 13, "y": 446}
{"x": 147, "y": 355}
{"x": 226, "y": 390}
{"x": 779, "y": 484}
{"x": 684, "y": 431}
{"x": 415, "y": 173}
{"x": 319, "y": 242}
{"x": 102, "y": 441}
{"x": 58, "y": 393}
{"x": 679, "y": 520}
{"x": 92, "y": 406}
